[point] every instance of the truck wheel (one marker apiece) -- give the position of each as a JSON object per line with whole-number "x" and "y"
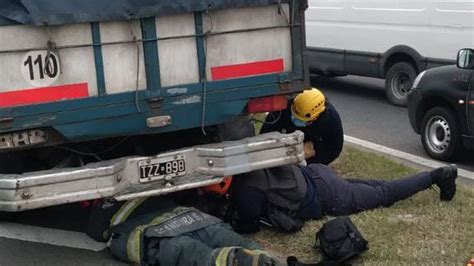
{"x": 6, "y": 216}
{"x": 398, "y": 82}
{"x": 440, "y": 133}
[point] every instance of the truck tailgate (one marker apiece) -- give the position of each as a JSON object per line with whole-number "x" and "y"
{"x": 84, "y": 81}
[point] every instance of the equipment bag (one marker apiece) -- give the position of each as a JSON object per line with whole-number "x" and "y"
{"x": 340, "y": 240}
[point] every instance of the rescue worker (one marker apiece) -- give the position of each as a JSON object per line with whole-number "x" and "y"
{"x": 286, "y": 196}
{"x": 317, "y": 118}
{"x": 158, "y": 231}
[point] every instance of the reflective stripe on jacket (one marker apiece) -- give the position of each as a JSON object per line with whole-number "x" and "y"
{"x": 129, "y": 237}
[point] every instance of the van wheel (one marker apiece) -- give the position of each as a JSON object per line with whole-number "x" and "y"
{"x": 398, "y": 82}
{"x": 440, "y": 134}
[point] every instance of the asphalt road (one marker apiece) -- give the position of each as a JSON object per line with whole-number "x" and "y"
{"x": 66, "y": 218}
{"x": 366, "y": 114}
{"x": 16, "y": 252}
{"x": 63, "y": 219}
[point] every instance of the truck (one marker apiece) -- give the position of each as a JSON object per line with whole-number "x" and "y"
{"x": 126, "y": 99}
{"x": 388, "y": 39}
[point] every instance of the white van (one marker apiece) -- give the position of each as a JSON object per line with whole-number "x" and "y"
{"x": 391, "y": 39}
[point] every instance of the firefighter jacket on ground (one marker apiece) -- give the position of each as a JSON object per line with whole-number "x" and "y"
{"x": 132, "y": 240}
{"x": 157, "y": 231}
{"x": 110, "y": 213}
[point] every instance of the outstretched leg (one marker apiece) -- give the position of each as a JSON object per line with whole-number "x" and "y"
{"x": 180, "y": 250}
{"x": 370, "y": 182}
{"x": 221, "y": 235}
{"x": 197, "y": 247}
{"x": 213, "y": 245}
{"x": 341, "y": 197}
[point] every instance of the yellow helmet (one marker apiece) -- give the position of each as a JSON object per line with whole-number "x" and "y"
{"x": 308, "y": 105}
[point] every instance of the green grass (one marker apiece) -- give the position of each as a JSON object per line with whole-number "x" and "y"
{"x": 419, "y": 230}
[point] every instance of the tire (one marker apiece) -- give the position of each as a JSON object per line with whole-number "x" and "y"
{"x": 440, "y": 134}
{"x": 7, "y": 216}
{"x": 398, "y": 82}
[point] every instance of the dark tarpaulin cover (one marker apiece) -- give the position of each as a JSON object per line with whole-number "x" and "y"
{"x": 58, "y": 12}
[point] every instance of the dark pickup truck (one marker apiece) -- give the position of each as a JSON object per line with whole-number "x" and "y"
{"x": 441, "y": 107}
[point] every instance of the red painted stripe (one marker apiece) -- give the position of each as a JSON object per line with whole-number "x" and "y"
{"x": 44, "y": 95}
{"x": 247, "y": 69}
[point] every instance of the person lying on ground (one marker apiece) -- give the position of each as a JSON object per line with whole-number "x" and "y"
{"x": 286, "y": 196}
{"x": 159, "y": 231}
{"x": 311, "y": 113}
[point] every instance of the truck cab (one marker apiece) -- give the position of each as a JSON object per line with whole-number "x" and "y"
{"x": 441, "y": 107}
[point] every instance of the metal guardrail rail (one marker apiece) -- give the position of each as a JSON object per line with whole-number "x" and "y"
{"x": 132, "y": 177}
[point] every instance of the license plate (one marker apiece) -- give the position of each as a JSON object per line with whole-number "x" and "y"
{"x": 162, "y": 168}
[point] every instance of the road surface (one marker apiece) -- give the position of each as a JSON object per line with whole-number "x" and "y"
{"x": 366, "y": 114}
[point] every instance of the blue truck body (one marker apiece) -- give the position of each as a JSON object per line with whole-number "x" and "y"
{"x": 123, "y": 114}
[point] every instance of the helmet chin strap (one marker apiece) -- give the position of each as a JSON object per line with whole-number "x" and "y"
{"x": 297, "y": 122}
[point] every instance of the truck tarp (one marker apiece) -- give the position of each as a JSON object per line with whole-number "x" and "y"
{"x": 59, "y": 12}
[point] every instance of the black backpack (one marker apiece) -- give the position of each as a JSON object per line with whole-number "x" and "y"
{"x": 340, "y": 240}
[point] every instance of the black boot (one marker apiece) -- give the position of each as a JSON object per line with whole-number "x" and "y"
{"x": 445, "y": 178}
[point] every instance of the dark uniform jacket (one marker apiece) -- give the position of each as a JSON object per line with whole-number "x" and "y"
{"x": 326, "y": 132}
{"x": 284, "y": 195}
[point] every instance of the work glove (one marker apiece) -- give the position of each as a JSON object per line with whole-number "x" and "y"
{"x": 309, "y": 149}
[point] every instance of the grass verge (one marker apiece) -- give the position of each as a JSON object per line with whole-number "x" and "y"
{"x": 419, "y": 230}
